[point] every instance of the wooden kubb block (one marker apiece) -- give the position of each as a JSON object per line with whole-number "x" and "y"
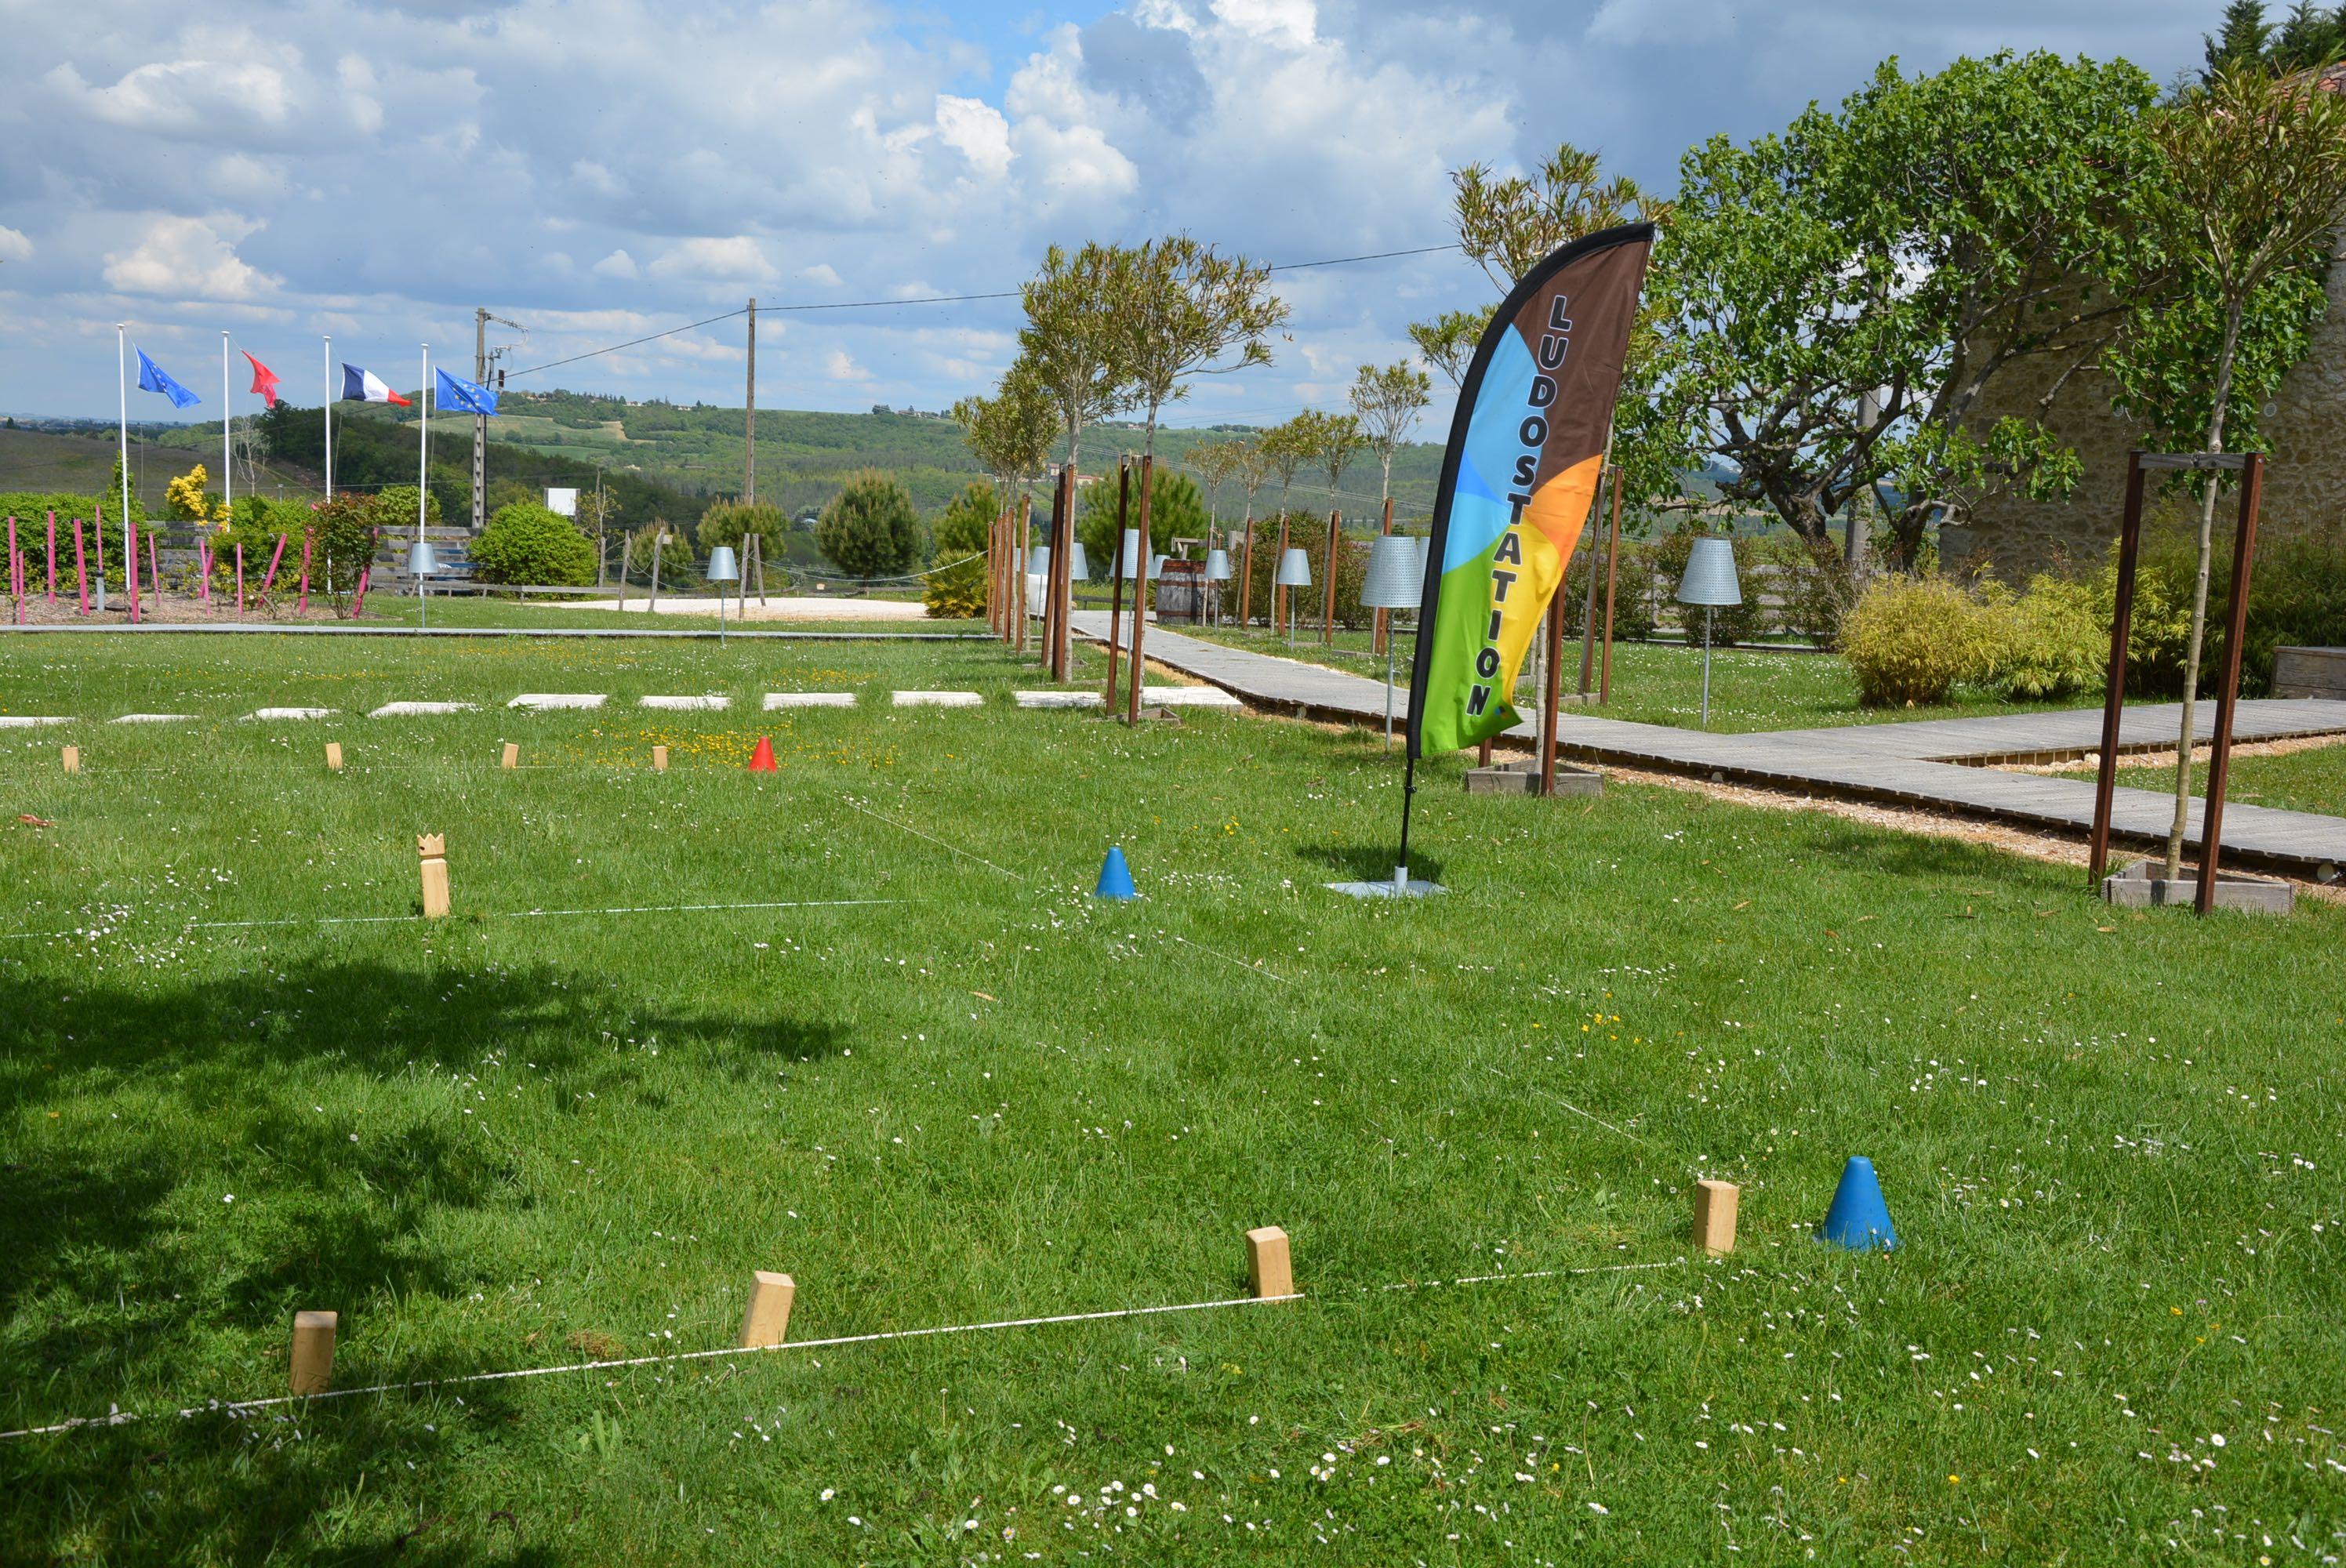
{"x": 1714, "y": 1214}
{"x": 767, "y": 1320}
{"x": 313, "y": 1351}
{"x": 433, "y": 848}
{"x": 659, "y": 759}
{"x": 513, "y": 755}
{"x": 72, "y": 756}
{"x": 1269, "y": 1272}
{"x": 334, "y": 756}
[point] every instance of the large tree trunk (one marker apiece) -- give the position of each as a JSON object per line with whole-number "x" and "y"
{"x": 2199, "y": 599}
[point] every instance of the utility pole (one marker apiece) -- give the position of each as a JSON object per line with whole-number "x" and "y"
{"x": 482, "y": 359}
{"x": 749, "y": 453}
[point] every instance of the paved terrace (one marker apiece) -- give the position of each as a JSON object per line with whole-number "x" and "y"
{"x": 1941, "y": 764}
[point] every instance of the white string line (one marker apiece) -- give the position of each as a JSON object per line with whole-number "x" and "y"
{"x": 932, "y": 838}
{"x": 1254, "y": 968}
{"x": 499, "y": 914}
{"x": 678, "y": 1358}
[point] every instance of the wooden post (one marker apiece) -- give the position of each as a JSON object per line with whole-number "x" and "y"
{"x": 334, "y": 756}
{"x": 313, "y": 1364}
{"x": 1588, "y": 604}
{"x": 1714, "y": 1216}
{"x": 269, "y": 578}
{"x": 1246, "y": 574}
{"x": 659, "y": 759}
{"x": 512, "y": 756}
{"x": 154, "y": 569}
{"x": 1328, "y": 603}
{"x": 81, "y": 569}
{"x": 767, "y": 1320}
{"x": 239, "y": 577}
{"x": 2114, "y": 699}
{"x": 1063, "y": 564}
{"x": 1612, "y": 576}
{"x": 658, "y": 539}
{"x": 2228, "y": 694}
{"x": 1553, "y": 697}
{"x": 1116, "y": 574}
{"x": 129, "y": 566}
{"x": 301, "y": 605}
{"x": 1018, "y": 562}
{"x": 1141, "y": 591}
{"x": 1379, "y": 628}
{"x": 1278, "y": 595}
{"x": 433, "y": 848}
{"x": 71, "y": 758}
{"x": 1269, "y": 1270}
{"x": 53, "y": 557}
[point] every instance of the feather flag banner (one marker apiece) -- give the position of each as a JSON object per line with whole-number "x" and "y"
{"x": 264, "y": 380}
{"x": 1535, "y": 413}
{"x": 365, "y": 386}
{"x": 153, "y": 378}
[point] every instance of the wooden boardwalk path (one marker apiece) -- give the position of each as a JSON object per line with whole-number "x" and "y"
{"x": 1941, "y": 764}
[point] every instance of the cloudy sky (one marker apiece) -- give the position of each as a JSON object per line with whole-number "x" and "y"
{"x": 599, "y": 169}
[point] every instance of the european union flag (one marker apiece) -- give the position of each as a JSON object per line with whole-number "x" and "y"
{"x": 151, "y": 377}
{"x": 463, "y": 396}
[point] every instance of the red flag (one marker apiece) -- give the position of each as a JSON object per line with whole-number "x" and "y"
{"x": 264, "y": 380}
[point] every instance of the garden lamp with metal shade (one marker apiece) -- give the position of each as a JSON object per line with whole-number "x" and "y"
{"x": 722, "y": 569}
{"x": 1218, "y": 570}
{"x": 422, "y": 562}
{"x": 1294, "y": 572}
{"x": 1395, "y": 581}
{"x": 1710, "y": 582}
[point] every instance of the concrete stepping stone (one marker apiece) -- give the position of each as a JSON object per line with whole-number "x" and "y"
{"x": 155, "y": 718}
{"x": 1189, "y": 696}
{"x": 420, "y": 709}
{"x": 546, "y": 701}
{"x": 1059, "y": 699}
{"x": 29, "y": 721}
{"x": 938, "y": 699}
{"x": 780, "y": 699}
{"x": 685, "y": 704}
{"x": 290, "y": 713}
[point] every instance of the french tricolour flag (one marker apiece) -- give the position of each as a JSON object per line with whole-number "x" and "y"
{"x": 365, "y": 386}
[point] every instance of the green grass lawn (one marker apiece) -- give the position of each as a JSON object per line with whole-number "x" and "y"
{"x": 1662, "y": 683}
{"x": 2308, "y": 781}
{"x": 499, "y": 1141}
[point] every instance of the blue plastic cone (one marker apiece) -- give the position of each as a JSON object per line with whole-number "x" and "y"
{"x": 1114, "y": 877}
{"x": 1858, "y": 1220}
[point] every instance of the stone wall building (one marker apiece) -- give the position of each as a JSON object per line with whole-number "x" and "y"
{"x": 2305, "y": 470}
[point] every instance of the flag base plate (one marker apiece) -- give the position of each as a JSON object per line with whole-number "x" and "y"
{"x": 1387, "y": 890}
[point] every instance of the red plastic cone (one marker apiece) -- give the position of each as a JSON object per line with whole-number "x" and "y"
{"x": 762, "y": 760}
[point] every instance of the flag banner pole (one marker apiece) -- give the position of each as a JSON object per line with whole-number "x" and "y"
{"x": 1518, "y": 477}
{"x": 122, "y": 379}
{"x": 228, "y": 417}
{"x": 423, "y": 444}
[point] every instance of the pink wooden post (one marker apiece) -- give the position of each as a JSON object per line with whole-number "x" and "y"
{"x": 98, "y": 544}
{"x": 358, "y": 600}
{"x": 266, "y": 582}
{"x": 130, "y": 565}
{"x": 302, "y": 605}
{"x": 155, "y": 568}
{"x": 81, "y": 570}
{"x": 16, "y": 573}
{"x": 203, "y": 569}
{"x": 240, "y": 578}
{"x": 53, "y": 557}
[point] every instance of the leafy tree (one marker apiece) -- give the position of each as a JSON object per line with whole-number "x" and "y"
{"x": 1448, "y": 342}
{"x": 729, "y": 523}
{"x": 1839, "y": 299}
{"x": 1176, "y": 510}
{"x": 2309, "y": 37}
{"x": 1214, "y": 462}
{"x": 525, "y": 541}
{"x": 1010, "y": 432}
{"x": 2258, "y": 174}
{"x": 871, "y": 529}
{"x": 342, "y": 535}
{"x": 1286, "y": 447}
{"x": 1386, "y": 404}
{"x": 1335, "y": 440}
{"x": 185, "y": 499}
{"x": 1184, "y": 310}
{"x": 955, "y": 586}
{"x": 1073, "y": 344}
{"x": 394, "y": 508}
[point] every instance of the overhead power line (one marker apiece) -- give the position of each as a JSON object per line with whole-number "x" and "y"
{"x": 926, "y": 299}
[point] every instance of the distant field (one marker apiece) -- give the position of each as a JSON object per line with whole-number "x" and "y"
{"x": 41, "y": 461}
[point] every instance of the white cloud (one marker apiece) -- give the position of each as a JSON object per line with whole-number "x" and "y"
{"x": 823, "y": 273}
{"x": 13, "y": 246}
{"x": 736, "y": 259}
{"x": 1660, "y": 21}
{"x": 190, "y": 259}
{"x": 618, "y": 264}
{"x": 1293, "y": 22}
{"x": 977, "y": 130}
{"x": 840, "y": 366}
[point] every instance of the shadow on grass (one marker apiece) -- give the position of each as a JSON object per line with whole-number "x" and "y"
{"x": 124, "y": 1267}
{"x": 1371, "y": 862}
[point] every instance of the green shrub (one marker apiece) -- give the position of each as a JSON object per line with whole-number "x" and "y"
{"x": 729, "y": 522}
{"x": 958, "y": 590}
{"x": 1176, "y": 510}
{"x": 1912, "y": 640}
{"x": 1813, "y": 586}
{"x": 2296, "y": 597}
{"x": 526, "y": 542}
{"x": 1740, "y": 623}
{"x": 2056, "y": 639}
{"x": 1309, "y": 534}
{"x": 871, "y": 528}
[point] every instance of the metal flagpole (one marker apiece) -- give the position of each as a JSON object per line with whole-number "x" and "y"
{"x": 228, "y": 458}
{"x": 329, "y": 411}
{"x": 423, "y": 464}
{"x": 122, "y": 379}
